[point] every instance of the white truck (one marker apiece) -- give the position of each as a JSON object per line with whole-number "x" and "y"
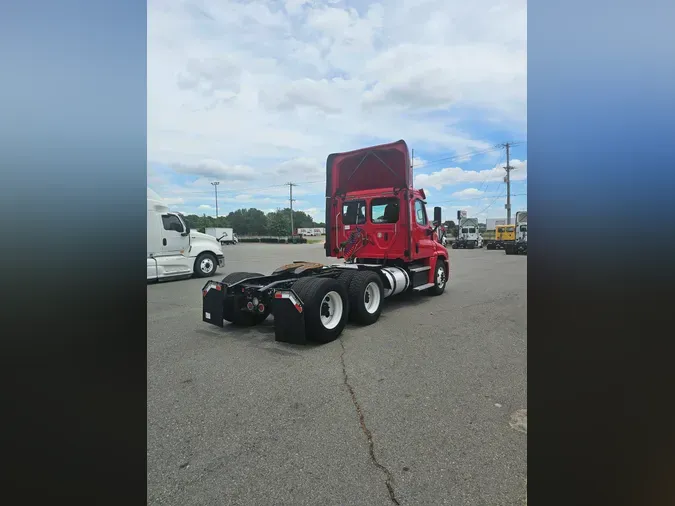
{"x": 174, "y": 250}
{"x": 225, "y": 236}
{"x": 468, "y": 237}
{"x": 519, "y": 247}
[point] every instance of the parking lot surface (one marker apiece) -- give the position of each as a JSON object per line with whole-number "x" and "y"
{"x": 416, "y": 409}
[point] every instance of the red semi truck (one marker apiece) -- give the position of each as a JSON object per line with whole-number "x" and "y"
{"x": 377, "y": 223}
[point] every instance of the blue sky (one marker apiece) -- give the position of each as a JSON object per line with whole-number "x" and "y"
{"x": 258, "y": 93}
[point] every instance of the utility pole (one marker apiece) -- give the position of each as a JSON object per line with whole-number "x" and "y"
{"x": 215, "y": 186}
{"x": 507, "y": 179}
{"x": 290, "y": 198}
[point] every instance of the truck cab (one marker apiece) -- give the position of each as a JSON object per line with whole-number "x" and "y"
{"x": 173, "y": 249}
{"x": 505, "y": 233}
{"x": 468, "y": 236}
{"x": 521, "y": 234}
{"x": 374, "y": 215}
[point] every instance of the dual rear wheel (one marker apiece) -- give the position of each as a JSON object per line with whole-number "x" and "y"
{"x": 366, "y": 293}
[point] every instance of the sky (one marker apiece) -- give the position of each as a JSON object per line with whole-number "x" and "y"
{"x": 257, "y": 93}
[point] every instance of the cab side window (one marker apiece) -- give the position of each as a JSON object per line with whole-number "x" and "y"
{"x": 171, "y": 222}
{"x": 421, "y": 213}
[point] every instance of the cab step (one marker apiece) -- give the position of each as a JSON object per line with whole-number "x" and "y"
{"x": 420, "y": 269}
{"x": 423, "y": 287}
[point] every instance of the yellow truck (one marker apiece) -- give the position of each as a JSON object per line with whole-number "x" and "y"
{"x": 504, "y": 234}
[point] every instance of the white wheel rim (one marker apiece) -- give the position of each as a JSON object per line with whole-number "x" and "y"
{"x": 440, "y": 276}
{"x": 331, "y": 310}
{"x": 371, "y": 297}
{"x": 206, "y": 265}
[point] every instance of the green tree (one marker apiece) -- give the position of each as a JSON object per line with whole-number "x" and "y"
{"x": 254, "y": 222}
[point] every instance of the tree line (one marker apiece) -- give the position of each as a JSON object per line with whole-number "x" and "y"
{"x": 255, "y": 222}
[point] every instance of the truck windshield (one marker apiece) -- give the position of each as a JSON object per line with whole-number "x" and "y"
{"x": 509, "y": 229}
{"x": 472, "y": 230}
{"x": 465, "y": 230}
{"x": 523, "y": 228}
{"x": 354, "y": 212}
{"x": 384, "y": 210}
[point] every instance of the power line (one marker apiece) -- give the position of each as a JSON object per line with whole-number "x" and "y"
{"x": 456, "y": 157}
{"x": 457, "y": 200}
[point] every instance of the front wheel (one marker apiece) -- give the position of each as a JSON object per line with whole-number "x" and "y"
{"x": 440, "y": 278}
{"x": 205, "y": 265}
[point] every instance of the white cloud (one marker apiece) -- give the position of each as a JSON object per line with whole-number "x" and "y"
{"x": 236, "y": 88}
{"x": 316, "y": 214}
{"x": 257, "y": 93}
{"x": 206, "y": 206}
{"x": 468, "y": 193}
{"x": 456, "y": 175}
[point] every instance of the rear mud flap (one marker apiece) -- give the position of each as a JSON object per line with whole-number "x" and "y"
{"x": 289, "y": 319}
{"x": 213, "y": 298}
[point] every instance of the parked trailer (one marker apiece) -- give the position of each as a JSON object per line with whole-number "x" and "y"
{"x": 377, "y": 223}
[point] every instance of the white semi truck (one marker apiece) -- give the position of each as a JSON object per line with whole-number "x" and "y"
{"x": 175, "y": 251}
{"x": 468, "y": 237}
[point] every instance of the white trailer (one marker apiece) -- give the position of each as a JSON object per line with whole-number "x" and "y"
{"x": 225, "y": 236}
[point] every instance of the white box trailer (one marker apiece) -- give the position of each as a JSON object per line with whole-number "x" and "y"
{"x": 311, "y": 231}
{"x": 492, "y": 223}
{"x": 225, "y": 236}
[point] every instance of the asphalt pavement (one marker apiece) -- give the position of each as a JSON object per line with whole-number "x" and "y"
{"x": 422, "y": 408}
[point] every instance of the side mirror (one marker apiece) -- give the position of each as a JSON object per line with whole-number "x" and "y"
{"x": 437, "y": 216}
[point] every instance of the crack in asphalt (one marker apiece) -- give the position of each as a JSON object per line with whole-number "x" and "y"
{"x": 389, "y": 481}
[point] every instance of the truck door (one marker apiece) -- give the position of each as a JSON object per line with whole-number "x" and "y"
{"x": 423, "y": 239}
{"x": 173, "y": 240}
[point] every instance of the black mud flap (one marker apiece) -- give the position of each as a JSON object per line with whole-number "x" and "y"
{"x": 289, "y": 318}
{"x": 213, "y": 298}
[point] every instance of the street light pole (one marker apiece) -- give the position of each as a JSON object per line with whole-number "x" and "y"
{"x": 215, "y": 186}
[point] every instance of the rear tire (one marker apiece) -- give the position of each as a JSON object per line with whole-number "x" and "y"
{"x": 440, "y": 278}
{"x": 346, "y": 277}
{"x": 236, "y": 316}
{"x": 326, "y": 307}
{"x": 366, "y": 293}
